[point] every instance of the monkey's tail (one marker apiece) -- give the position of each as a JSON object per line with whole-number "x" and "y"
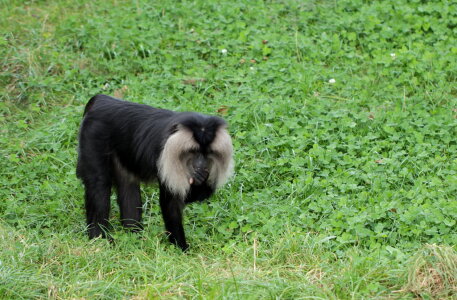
{"x": 90, "y": 104}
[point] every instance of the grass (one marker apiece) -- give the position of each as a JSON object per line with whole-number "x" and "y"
{"x": 432, "y": 272}
{"x": 343, "y": 116}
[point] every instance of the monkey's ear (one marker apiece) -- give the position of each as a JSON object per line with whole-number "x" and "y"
{"x": 172, "y": 170}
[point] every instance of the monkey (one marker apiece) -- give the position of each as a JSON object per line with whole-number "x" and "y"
{"x": 123, "y": 144}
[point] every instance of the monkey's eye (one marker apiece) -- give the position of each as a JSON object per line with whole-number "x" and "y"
{"x": 187, "y": 155}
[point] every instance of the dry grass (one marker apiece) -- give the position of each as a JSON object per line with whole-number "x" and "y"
{"x": 433, "y": 272}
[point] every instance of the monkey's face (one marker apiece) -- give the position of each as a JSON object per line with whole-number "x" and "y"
{"x": 198, "y": 166}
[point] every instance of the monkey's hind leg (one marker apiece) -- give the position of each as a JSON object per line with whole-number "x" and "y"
{"x": 95, "y": 171}
{"x": 129, "y": 199}
{"x": 97, "y": 207}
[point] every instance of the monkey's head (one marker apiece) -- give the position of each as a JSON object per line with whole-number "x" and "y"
{"x": 198, "y": 152}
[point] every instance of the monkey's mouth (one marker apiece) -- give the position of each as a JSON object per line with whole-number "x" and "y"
{"x": 199, "y": 177}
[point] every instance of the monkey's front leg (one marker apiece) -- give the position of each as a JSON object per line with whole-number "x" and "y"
{"x": 172, "y": 208}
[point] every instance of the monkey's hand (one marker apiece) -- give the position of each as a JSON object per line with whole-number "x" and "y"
{"x": 199, "y": 176}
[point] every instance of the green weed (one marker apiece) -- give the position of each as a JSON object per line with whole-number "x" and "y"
{"x": 343, "y": 117}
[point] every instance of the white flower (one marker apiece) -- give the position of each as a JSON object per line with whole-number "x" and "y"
{"x": 332, "y": 81}
{"x": 251, "y": 68}
{"x": 392, "y": 55}
{"x": 224, "y": 51}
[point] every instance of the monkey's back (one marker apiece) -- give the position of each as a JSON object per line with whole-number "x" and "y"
{"x": 122, "y": 128}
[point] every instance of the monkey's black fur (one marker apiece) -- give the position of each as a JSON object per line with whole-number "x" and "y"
{"x": 120, "y": 144}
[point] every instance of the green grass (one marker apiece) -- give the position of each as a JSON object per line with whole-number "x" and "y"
{"x": 343, "y": 190}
